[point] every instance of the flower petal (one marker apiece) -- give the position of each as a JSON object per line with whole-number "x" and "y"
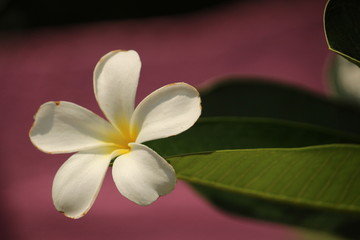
{"x": 142, "y": 175}
{"x": 62, "y": 127}
{"x": 115, "y": 82}
{"x": 78, "y": 181}
{"x": 167, "y": 111}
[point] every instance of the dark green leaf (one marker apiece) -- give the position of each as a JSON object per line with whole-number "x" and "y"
{"x": 342, "y": 28}
{"x": 256, "y": 98}
{"x": 211, "y": 134}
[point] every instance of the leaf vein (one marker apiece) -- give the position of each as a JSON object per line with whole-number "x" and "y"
{"x": 348, "y": 186}
{"x": 330, "y": 179}
{"x": 309, "y": 181}
{"x": 260, "y": 174}
{"x": 279, "y": 176}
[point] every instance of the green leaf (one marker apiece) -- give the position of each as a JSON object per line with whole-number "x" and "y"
{"x": 260, "y": 98}
{"x": 211, "y": 134}
{"x": 342, "y": 28}
{"x": 325, "y": 176}
{"x": 283, "y": 183}
{"x": 275, "y": 104}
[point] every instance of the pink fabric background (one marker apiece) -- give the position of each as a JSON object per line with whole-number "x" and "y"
{"x": 283, "y": 40}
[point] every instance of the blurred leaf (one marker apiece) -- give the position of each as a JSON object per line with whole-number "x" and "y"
{"x": 342, "y": 28}
{"x": 344, "y": 79}
{"x": 237, "y": 204}
{"x": 292, "y": 179}
{"x": 218, "y": 133}
{"x": 259, "y": 98}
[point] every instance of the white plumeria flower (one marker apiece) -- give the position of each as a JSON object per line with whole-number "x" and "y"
{"x": 139, "y": 173}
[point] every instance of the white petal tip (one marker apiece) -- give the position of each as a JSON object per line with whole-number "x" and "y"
{"x": 114, "y": 52}
{"x": 149, "y": 202}
{"x": 73, "y": 214}
{"x": 111, "y": 53}
{"x": 34, "y": 127}
{"x": 72, "y": 217}
{"x": 144, "y": 204}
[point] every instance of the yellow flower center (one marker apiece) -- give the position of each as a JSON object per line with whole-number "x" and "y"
{"x": 121, "y": 139}
{"x": 126, "y": 135}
